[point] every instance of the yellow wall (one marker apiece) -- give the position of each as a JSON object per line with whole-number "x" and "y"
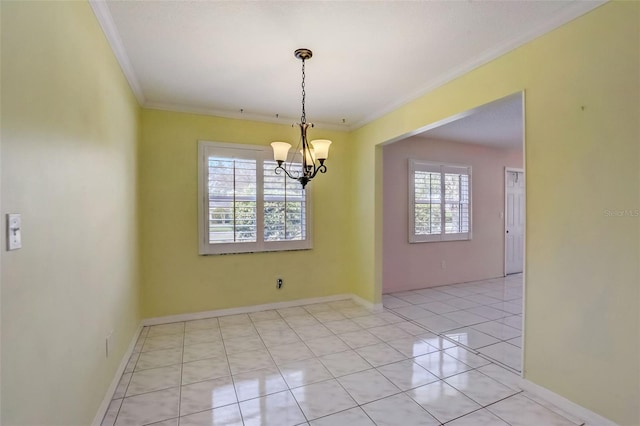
{"x": 175, "y": 278}
{"x": 70, "y": 166}
{"x": 69, "y": 136}
{"x": 582, "y": 84}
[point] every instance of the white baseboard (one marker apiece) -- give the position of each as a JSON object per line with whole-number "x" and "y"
{"x": 373, "y": 307}
{"x": 246, "y": 309}
{"x": 102, "y": 410}
{"x": 571, "y": 408}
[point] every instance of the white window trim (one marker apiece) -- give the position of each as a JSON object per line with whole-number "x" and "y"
{"x": 261, "y": 153}
{"x": 418, "y": 165}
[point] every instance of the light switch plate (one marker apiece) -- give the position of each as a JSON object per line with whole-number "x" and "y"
{"x": 14, "y": 231}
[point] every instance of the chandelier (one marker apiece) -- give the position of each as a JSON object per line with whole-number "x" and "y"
{"x": 314, "y": 153}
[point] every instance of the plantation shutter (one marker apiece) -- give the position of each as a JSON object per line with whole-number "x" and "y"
{"x": 246, "y": 206}
{"x": 456, "y": 199}
{"x": 284, "y": 204}
{"x": 439, "y": 202}
{"x": 232, "y": 200}
{"x": 427, "y": 202}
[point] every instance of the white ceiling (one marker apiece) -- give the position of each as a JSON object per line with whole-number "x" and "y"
{"x": 499, "y": 124}
{"x": 370, "y": 57}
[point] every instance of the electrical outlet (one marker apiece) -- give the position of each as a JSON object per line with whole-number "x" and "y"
{"x": 443, "y": 264}
{"x": 279, "y": 283}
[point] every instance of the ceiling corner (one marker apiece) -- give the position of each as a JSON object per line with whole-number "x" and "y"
{"x": 103, "y": 15}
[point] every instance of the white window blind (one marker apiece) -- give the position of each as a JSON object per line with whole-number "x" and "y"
{"x": 439, "y": 202}
{"x": 245, "y": 206}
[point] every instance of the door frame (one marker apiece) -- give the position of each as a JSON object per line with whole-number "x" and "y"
{"x": 504, "y": 221}
{"x": 524, "y": 251}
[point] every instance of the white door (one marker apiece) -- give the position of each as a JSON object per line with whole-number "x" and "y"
{"x": 514, "y": 222}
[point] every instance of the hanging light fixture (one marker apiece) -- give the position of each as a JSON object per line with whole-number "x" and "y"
{"x": 314, "y": 153}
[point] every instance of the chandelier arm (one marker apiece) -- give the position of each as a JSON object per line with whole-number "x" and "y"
{"x": 322, "y": 169}
{"x": 279, "y": 168}
{"x": 305, "y": 145}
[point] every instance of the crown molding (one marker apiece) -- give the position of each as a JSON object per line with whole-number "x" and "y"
{"x": 569, "y": 13}
{"x": 103, "y": 14}
{"x": 288, "y": 121}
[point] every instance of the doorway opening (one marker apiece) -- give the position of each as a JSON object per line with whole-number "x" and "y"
{"x": 453, "y": 231}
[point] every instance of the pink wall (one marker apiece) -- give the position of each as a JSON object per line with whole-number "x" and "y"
{"x": 410, "y": 266}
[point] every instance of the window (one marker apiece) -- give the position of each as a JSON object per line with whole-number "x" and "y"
{"x": 439, "y": 202}
{"x": 246, "y": 207}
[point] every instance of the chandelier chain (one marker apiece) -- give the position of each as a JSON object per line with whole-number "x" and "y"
{"x": 303, "y": 119}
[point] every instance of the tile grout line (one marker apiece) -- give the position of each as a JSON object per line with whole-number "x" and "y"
{"x": 231, "y": 372}
{"x": 279, "y": 371}
{"x": 442, "y": 335}
{"x": 491, "y": 360}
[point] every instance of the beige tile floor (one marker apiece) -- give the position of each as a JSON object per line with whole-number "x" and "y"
{"x": 444, "y": 355}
